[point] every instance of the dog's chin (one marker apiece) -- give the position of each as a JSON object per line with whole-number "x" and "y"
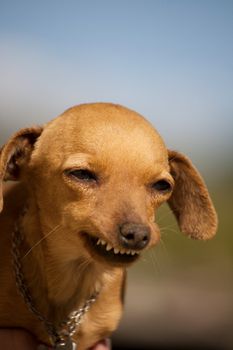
{"x": 101, "y": 251}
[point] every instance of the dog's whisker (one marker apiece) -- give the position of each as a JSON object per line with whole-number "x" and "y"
{"x": 163, "y": 244}
{"x": 37, "y": 243}
{"x": 165, "y": 231}
{"x": 171, "y": 228}
{"x": 82, "y": 267}
{"x": 169, "y": 225}
{"x": 164, "y": 249}
{"x": 154, "y": 261}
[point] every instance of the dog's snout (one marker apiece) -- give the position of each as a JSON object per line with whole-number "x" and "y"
{"x": 134, "y": 236}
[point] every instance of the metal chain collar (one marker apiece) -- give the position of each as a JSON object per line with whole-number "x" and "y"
{"x": 61, "y": 337}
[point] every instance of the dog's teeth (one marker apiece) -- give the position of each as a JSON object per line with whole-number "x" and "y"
{"x": 98, "y": 242}
{"x": 122, "y": 251}
{"x": 103, "y": 242}
{"x": 116, "y": 250}
{"x": 128, "y": 252}
{"x": 109, "y": 247}
{"x": 133, "y": 252}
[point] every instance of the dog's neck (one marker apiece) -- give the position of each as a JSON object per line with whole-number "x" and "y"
{"x": 57, "y": 287}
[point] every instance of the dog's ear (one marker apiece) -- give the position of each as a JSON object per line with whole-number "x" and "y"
{"x": 190, "y": 200}
{"x": 15, "y": 153}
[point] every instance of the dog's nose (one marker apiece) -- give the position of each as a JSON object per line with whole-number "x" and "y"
{"x": 134, "y": 236}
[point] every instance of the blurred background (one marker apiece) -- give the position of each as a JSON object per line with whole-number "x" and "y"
{"x": 172, "y": 61}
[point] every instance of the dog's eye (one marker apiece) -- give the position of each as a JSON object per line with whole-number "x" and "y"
{"x": 83, "y": 175}
{"x": 162, "y": 186}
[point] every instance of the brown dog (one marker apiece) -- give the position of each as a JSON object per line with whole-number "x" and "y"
{"x": 88, "y": 185}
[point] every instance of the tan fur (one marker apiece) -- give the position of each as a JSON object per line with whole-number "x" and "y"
{"x": 128, "y": 155}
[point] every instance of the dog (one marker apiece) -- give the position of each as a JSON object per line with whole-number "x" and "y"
{"x": 81, "y": 204}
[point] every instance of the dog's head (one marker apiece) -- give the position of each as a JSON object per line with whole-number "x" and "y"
{"x": 99, "y": 172}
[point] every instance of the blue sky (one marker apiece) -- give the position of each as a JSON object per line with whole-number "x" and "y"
{"x": 171, "y": 60}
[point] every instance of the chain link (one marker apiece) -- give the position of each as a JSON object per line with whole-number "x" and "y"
{"x": 61, "y": 336}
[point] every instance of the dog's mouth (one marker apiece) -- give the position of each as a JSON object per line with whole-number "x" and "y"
{"x": 111, "y": 254}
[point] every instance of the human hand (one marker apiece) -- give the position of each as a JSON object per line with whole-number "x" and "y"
{"x": 104, "y": 344}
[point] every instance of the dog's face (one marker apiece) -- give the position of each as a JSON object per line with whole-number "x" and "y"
{"x": 98, "y": 173}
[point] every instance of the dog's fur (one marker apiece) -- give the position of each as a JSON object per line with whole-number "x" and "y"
{"x": 61, "y": 269}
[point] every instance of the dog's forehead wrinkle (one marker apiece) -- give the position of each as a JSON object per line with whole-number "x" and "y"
{"x": 78, "y": 159}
